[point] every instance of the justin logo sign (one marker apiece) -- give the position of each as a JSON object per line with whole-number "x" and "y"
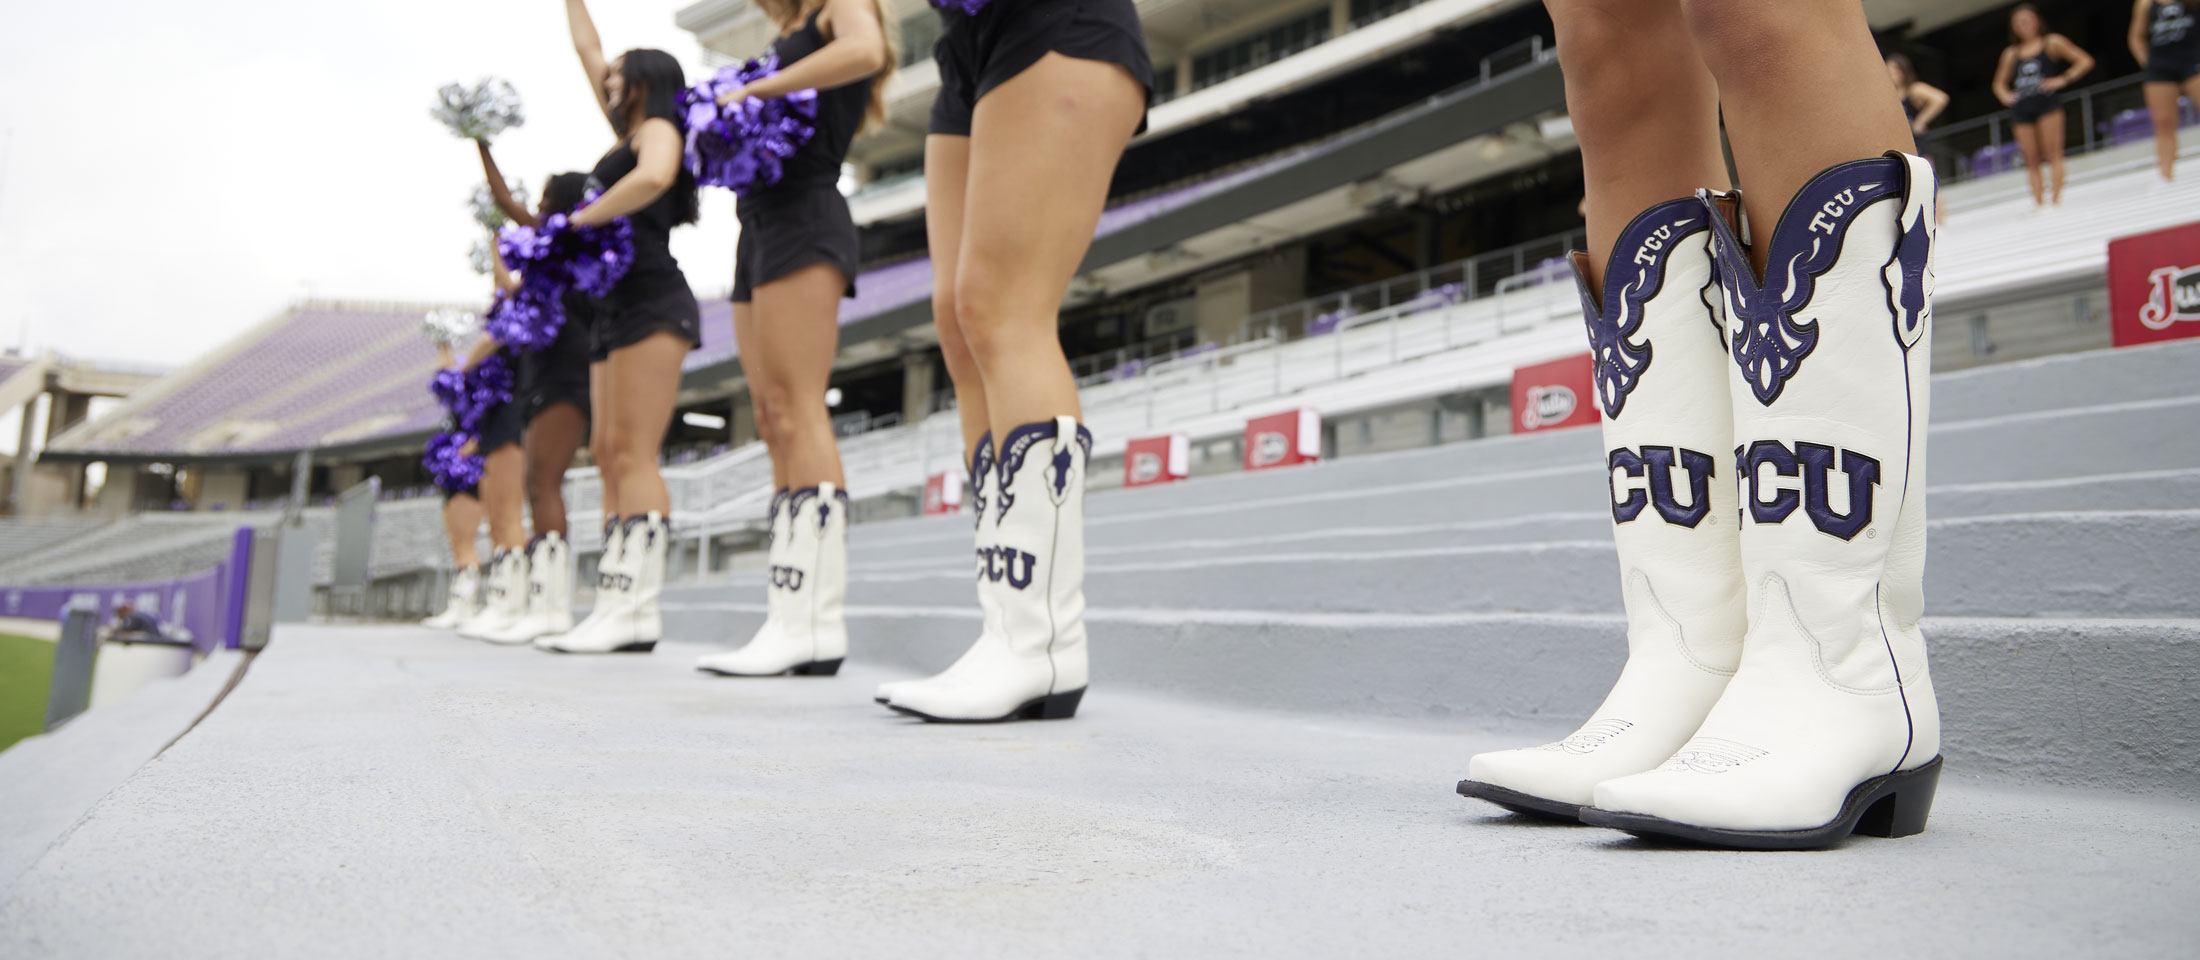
{"x": 2154, "y": 286}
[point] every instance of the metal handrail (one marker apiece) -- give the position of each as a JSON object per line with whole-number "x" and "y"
{"x": 2082, "y": 137}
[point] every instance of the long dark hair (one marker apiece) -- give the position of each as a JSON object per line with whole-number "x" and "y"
{"x": 657, "y": 78}
{"x": 563, "y": 192}
{"x": 1908, "y": 69}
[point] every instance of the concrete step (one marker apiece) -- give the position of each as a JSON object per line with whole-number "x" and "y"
{"x": 2105, "y": 703}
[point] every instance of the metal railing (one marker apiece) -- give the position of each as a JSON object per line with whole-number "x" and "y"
{"x": 1473, "y": 278}
{"x": 1984, "y": 146}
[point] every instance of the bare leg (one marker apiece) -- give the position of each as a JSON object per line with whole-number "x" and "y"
{"x": 2162, "y": 107}
{"x": 552, "y": 439}
{"x": 800, "y": 332}
{"x": 761, "y": 389}
{"x": 1044, "y": 146}
{"x": 2051, "y": 147}
{"x": 946, "y": 172}
{"x": 461, "y": 521}
{"x": 601, "y": 433}
{"x": 503, "y": 487}
{"x": 2028, "y": 140}
{"x": 1764, "y": 56}
{"x": 1644, "y": 108}
{"x": 645, "y": 379}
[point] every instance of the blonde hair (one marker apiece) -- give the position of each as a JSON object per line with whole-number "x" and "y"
{"x": 787, "y": 13}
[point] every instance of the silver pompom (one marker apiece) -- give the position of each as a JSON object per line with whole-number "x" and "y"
{"x": 479, "y": 257}
{"x": 444, "y": 327}
{"x": 484, "y": 205}
{"x": 479, "y": 112}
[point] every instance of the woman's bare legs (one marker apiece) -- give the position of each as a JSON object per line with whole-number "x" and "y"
{"x": 946, "y": 176}
{"x": 2028, "y": 141}
{"x": 2051, "y": 147}
{"x": 2162, "y": 107}
{"x": 503, "y": 491}
{"x": 1766, "y": 55}
{"x": 1644, "y": 107}
{"x": 601, "y": 434}
{"x": 1044, "y": 146}
{"x": 749, "y": 344}
{"x": 552, "y": 439}
{"x": 644, "y": 379}
{"x": 795, "y": 333}
{"x": 462, "y": 523}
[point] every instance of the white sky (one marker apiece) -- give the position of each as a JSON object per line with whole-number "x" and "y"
{"x": 178, "y": 171}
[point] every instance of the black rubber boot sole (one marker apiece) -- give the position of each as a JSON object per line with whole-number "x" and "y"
{"x": 1894, "y": 805}
{"x": 1518, "y": 802}
{"x": 1053, "y": 706}
{"x": 637, "y": 646}
{"x": 815, "y": 668}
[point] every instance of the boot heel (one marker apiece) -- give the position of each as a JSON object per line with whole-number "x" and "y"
{"x": 1906, "y": 800}
{"x": 1054, "y": 706}
{"x": 818, "y": 668}
{"x": 636, "y": 646}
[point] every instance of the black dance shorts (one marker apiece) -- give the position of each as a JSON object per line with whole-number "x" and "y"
{"x": 558, "y": 373}
{"x": 622, "y": 322}
{"x": 979, "y": 52}
{"x": 2166, "y": 68}
{"x": 789, "y": 227}
{"x": 2031, "y": 108}
{"x": 503, "y": 426}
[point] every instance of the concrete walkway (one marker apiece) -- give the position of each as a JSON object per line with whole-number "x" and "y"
{"x": 378, "y": 792}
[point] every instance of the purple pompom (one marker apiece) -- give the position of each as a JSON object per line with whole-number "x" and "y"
{"x": 449, "y": 386}
{"x": 743, "y": 145}
{"x": 447, "y": 463}
{"x": 552, "y": 259}
{"x": 966, "y": 6}
{"x": 488, "y": 386}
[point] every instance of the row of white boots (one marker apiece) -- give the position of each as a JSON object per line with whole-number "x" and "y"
{"x": 527, "y": 596}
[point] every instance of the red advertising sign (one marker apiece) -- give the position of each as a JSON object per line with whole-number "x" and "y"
{"x": 1561, "y": 393}
{"x": 1283, "y": 439}
{"x": 2154, "y": 286}
{"x": 943, "y": 493}
{"x": 1151, "y": 460}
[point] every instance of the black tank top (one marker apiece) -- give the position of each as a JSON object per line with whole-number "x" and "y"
{"x": 839, "y": 114}
{"x": 2033, "y": 69}
{"x": 654, "y": 273}
{"x": 2171, "y": 29}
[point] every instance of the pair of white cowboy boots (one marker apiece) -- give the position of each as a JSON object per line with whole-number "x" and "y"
{"x": 1767, "y": 467}
{"x": 530, "y": 594}
{"x": 630, "y": 582}
{"x": 1029, "y": 662}
{"x": 805, "y": 632}
{"x": 462, "y": 604}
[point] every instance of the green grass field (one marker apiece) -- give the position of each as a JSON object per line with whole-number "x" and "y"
{"x": 26, "y": 669}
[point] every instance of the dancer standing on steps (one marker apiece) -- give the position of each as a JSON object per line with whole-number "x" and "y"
{"x": 1037, "y": 100}
{"x": 551, "y": 401}
{"x": 643, "y": 332}
{"x": 1775, "y": 693}
{"x": 797, "y": 259}
{"x": 2165, "y": 37}
{"x": 2035, "y": 69}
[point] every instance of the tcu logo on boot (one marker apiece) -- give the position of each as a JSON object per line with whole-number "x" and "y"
{"x": 1658, "y": 463}
{"x": 1620, "y": 361}
{"x": 789, "y": 578}
{"x": 1006, "y": 564}
{"x": 1769, "y": 342}
{"x": 1813, "y": 464}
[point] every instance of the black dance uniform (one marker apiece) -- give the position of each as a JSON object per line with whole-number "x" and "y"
{"x": 2173, "y": 42}
{"x": 654, "y": 294}
{"x": 803, "y": 220}
{"x": 505, "y": 424}
{"x": 2033, "y": 102}
{"x": 980, "y": 51}
{"x": 558, "y": 373}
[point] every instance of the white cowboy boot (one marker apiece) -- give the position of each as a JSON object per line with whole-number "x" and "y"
{"x": 465, "y": 584}
{"x": 1661, "y": 380}
{"x": 1034, "y": 668}
{"x": 1829, "y": 726}
{"x": 806, "y": 633}
{"x": 775, "y": 550}
{"x": 549, "y": 593}
{"x": 630, "y": 621}
{"x": 609, "y": 584}
{"x": 989, "y": 599}
{"x": 506, "y": 602}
